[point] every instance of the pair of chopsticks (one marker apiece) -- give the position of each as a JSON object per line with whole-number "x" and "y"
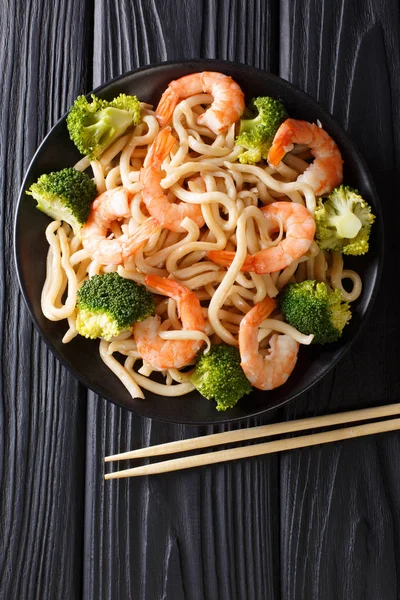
{"x": 252, "y": 433}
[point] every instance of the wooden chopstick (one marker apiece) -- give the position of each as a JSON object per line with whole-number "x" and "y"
{"x": 252, "y": 433}
{"x": 264, "y": 448}
{"x": 267, "y": 448}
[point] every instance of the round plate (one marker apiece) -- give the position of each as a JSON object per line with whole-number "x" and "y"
{"x": 81, "y": 356}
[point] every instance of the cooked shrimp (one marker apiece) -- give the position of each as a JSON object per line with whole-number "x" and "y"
{"x": 326, "y": 172}
{"x": 107, "y": 208}
{"x": 299, "y": 226}
{"x": 273, "y": 370}
{"x": 170, "y": 354}
{"x": 169, "y": 214}
{"x": 227, "y": 107}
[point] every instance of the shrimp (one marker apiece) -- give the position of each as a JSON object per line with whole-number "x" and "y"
{"x": 299, "y": 226}
{"x": 226, "y": 109}
{"x": 170, "y": 354}
{"x": 169, "y": 214}
{"x": 273, "y": 370}
{"x": 106, "y": 208}
{"x": 326, "y": 172}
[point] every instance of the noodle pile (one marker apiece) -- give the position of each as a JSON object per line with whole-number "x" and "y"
{"x": 204, "y": 170}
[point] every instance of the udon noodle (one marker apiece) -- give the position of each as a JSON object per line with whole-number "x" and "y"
{"x": 203, "y": 169}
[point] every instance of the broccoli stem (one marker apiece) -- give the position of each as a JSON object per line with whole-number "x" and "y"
{"x": 249, "y": 124}
{"x": 347, "y": 225}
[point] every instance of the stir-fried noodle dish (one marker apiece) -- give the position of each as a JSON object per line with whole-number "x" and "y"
{"x": 202, "y": 240}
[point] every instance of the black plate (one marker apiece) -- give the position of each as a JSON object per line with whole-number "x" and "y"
{"x": 81, "y": 356}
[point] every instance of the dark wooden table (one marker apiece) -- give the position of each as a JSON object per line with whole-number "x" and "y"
{"x": 320, "y": 523}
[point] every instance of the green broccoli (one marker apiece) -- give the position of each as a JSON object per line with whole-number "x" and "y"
{"x": 109, "y": 304}
{"x": 314, "y": 308}
{"x": 65, "y": 195}
{"x": 343, "y": 221}
{"x": 93, "y": 126}
{"x": 256, "y": 134}
{"x": 219, "y": 376}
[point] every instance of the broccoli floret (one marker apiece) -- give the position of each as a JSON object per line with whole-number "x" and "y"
{"x": 314, "y": 308}
{"x": 343, "y": 221}
{"x": 219, "y": 376}
{"x": 93, "y": 126}
{"x": 256, "y": 134}
{"x": 65, "y": 196}
{"x": 109, "y": 304}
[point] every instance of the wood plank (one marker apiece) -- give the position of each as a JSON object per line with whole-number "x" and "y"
{"x": 340, "y": 510}
{"x": 42, "y": 409}
{"x": 208, "y": 534}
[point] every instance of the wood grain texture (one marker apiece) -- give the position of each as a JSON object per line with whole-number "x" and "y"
{"x": 339, "y": 518}
{"x": 42, "y": 410}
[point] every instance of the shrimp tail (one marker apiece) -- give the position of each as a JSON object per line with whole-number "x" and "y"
{"x": 140, "y": 237}
{"x": 261, "y": 311}
{"x": 166, "y": 106}
{"x": 189, "y": 307}
{"x": 150, "y": 226}
{"x": 275, "y": 155}
{"x": 168, "y": 287}
{"x": 225, "y": 258}
{"x": 221, "y": 257}
{"x": 160, "y": 148}
{"x": 282, "y": 142}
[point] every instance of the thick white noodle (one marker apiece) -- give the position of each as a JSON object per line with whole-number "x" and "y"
{"x": 186, "y": 334}
{"x": 230, "y": 277}
{"x": 123, "y": 375}
{"x": 282, "y": 327}
{"x": 59, "y": 274}
{"x": 155, "y": 387}
{"x": 338, "y": 274}
{"x": 279, "y": 186}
